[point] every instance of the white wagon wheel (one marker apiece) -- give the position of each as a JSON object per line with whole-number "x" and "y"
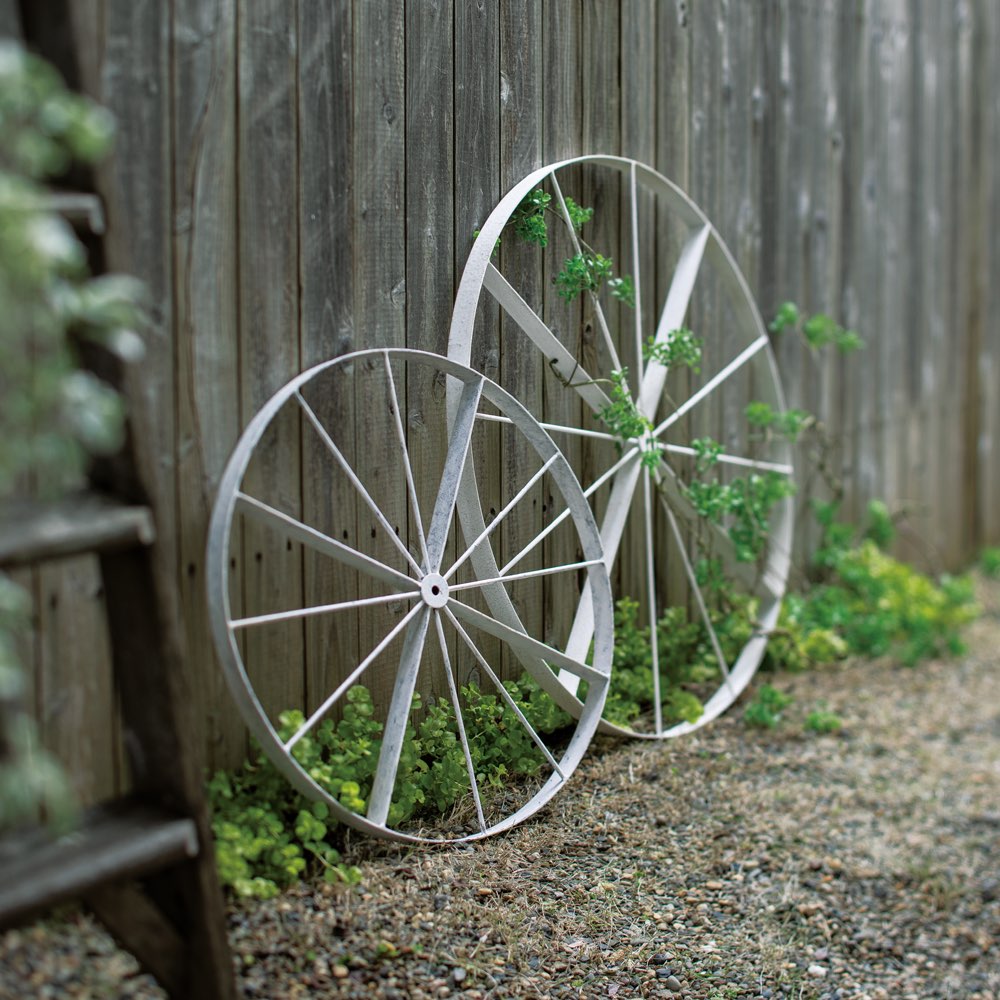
{"x": 416, "y": 600}
{"x": 653, "y": 502}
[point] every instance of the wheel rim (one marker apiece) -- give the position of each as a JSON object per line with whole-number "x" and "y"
{"x": 428, "y": 583}
{"x": 622, "y": 489}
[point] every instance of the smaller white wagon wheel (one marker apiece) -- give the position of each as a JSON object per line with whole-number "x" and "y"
{"x": 418, "y": 610}
{"x": 651, "y": 504}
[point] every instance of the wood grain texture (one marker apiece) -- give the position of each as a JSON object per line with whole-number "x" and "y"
{"x": 521, "y": 97}
{"x": 430, "y": 254}
{"x": 206, "y": 325}
{"x": 673, "y": 130}
{"x": 562, "y": 137}
{"x": 326, "y": 323}
{"x": 379, "y": 213}
{"x": 637, "y": 117}
{"x": 477, "y": 190}
{"x": 267, "y": 119}
{"x": 987, "y": 441}
{"x": 75, "y": 677}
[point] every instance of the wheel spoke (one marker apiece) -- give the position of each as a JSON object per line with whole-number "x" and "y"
{"x": 394, "y": 731}
{"x": 612, "y": 529}
{"x": 454, "y": 465}
{"x": 569, "y": 371}
{"x": 712, "y": 384}
{"x": 352, "y": 678}
{"x": 630, "y": 456}
{"x": 672, "y": 317}
{"x": 503, "y": 692}
{"x": 495, "y": 523}
{"x": 319, "y": 609}
{"x": 616, "y": 364}
{"x": 558, "y": 429}
{"x": 726, "y": 459}
{"x": 636, "y": 269}
{"x": 523, "y": 644}
{"x": 404, "y": 451}
{"x": 460, "y": 723}
{"x": 699, "y": 599}
{"x": 527, "y": 575}
{"x": 654, "y": 645}
{"x": 320, "y": 542}
{"x": 354, "y": 480}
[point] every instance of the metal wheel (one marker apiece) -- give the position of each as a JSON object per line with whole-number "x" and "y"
{"x": 663, "y": 545}
{"x": 383, "y": 593}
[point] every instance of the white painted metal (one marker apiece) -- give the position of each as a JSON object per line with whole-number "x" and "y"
{"x": 702, "y": 251}
{"x": 436, "y": 600}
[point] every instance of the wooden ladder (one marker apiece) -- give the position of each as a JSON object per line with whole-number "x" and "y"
{"x": 144, "y": 863}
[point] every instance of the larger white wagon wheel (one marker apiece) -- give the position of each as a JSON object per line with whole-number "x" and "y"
{"x": 738, "y": 367}
{"x": 416, "y": 592}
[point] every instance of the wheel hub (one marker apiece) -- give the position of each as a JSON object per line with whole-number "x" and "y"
{"x": 434, "y": 590}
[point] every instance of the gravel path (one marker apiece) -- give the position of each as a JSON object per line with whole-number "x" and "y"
{"x": 728, "y": 864}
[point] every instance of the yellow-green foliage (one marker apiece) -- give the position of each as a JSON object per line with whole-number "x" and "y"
{"x": 873, "y": 604}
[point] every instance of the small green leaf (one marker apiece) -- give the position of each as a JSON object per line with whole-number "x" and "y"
{"x": 787, "y": 316}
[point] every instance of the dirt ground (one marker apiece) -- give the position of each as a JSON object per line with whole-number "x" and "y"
{"x": 728, "y": 864}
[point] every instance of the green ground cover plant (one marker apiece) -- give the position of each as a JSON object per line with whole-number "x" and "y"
{"x": 267, "y": 833}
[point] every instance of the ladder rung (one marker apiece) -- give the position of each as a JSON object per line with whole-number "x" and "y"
{"x": 84, "y": 522}
{"x": 121, "y": 840}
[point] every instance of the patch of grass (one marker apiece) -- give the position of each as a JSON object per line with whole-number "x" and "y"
{"x": 764, "y": 712}
{"x": 821, "y": 721}
{"x": 989, "y": 562}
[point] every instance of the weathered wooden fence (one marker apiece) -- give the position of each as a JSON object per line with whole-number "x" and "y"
{"x": 293, "y": 180}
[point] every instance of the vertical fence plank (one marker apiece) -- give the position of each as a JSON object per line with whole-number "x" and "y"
{"x": 673, "y": 75}
{"x": 853, "y": 52}
{"x": 892, "y": 425}
{"x": 379, "y": 270}
{"x": 737, "y": 217}
{"x": 267, "y": 106}
{"x": 965, "y": 354}
{"x": 846, "y": 152}
{"x": 477, "y": 190}
{"x": 948, "y": 405}
{"x": 430, "y": 231}
{"x": 520, "y": 373}
{"x": 601, "y": 132}
{"x": 326, "y": 319}
{"x": 138, "y": 224}
{"x": 77, "y": 692}
{"x": 638, "y": 106}
{"x": 562, "y": 134}
{"x": 987, "y": 451}
{"x": 826, "y": 169}
{"x": 866, "y": 475}
{"x": 920, "y": 467}
{"x": 205, "y": 330}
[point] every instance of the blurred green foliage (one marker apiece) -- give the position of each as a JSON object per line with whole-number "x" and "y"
{"x": 52, "y": 414}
